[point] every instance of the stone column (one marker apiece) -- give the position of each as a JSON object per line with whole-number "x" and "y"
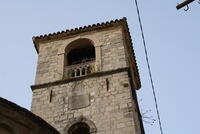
{"x": 98, "y": 66}
{"x": 61, "y": 65}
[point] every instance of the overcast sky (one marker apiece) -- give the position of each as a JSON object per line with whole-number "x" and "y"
{"x": 172, "y": 38}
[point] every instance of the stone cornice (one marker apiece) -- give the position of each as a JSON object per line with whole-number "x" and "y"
{"x": 97, "y": 74}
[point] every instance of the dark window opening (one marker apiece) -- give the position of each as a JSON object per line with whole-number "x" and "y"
{"x": 73, "y": 73}
{"x": 89, "y": 70}
{"x": 81, "y": 55}
{"x": 83, "y": 71}
{"x": 79, "y": 128}
{"x": 78, "y": 72}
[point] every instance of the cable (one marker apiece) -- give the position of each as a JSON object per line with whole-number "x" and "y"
{"x": 148, "y": 64}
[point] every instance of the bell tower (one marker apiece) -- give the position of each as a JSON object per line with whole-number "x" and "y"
{"x": 86, "y": 80}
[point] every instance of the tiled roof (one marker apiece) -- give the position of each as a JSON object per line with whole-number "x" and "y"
{"x": 98, "y": 26}
{"x": 69, "y": 32}
{"x": 27, "y": 113}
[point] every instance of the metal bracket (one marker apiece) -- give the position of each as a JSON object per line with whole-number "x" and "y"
{"x": 187, "y": 8}
{"x": 185, "y": 3}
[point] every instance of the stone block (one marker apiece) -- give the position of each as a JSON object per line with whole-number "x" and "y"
{"x": 78, "y": 101}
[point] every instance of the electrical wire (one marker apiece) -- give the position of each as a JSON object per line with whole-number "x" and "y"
{"x": 148, "y": 64}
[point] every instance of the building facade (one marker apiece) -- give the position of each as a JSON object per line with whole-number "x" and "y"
{"x": 86, "y": 80}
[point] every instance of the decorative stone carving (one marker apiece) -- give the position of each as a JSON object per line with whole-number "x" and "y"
{"x": 79, "y": 70}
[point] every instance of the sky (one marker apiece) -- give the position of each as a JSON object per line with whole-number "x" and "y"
{"x": 172, "y": 39}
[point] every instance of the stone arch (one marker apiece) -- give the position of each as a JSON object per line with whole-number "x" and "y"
{"x": 79, "y": 50}
{"x": 79, "y": 128}
{"x": 81, "y": 120}
{"x": 68, "y": 46}
{"x": 75, "y": 43}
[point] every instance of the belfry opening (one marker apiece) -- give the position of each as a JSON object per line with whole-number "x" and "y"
{"x": 80, "y": 51}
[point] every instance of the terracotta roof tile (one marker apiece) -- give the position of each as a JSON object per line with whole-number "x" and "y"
{"x": 69, "y": 32}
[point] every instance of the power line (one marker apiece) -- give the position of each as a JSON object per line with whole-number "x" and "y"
{"x": 148, "y": 64}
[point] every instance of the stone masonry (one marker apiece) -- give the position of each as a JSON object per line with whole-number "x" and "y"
{"x": 106, "y": 98}
{"x": 110, "y": 54}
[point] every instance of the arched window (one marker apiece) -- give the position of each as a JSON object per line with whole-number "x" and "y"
{"x": 80, "y": 125}
{"x": 80, "y": 51}
{"x": 79, "y": 58}
{"x": 79, "y": 128}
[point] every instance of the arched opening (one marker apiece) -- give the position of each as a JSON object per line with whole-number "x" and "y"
{"x": 79, "y": 128}
{"x": 83, "y": 71}
{"x": 78, "y": 73}
{"x": 79, "y": 58}
{"x": 80, "y": 51}
{"x": 80, "y": 125}
{"x": 81, "y": 55}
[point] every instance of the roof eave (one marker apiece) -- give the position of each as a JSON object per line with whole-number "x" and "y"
{"x": 67, "y": 33}
{"x": 35, "y": 44}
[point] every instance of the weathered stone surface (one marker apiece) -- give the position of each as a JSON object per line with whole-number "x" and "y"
{"x": 109, "y": 46}
{"x": 106, "y": 100}
{"x": 111, "y": 110}
{"x": 78, "y": 101}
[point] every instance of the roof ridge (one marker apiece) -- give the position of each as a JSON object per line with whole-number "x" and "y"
{"x": 81, "y": 28}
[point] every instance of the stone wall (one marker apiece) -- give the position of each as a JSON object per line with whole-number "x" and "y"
{"x": 109, "y": 47}
{"x": 105, "y": 100}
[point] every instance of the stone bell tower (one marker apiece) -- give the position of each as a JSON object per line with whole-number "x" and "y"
{"x": 86, "y": 80}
